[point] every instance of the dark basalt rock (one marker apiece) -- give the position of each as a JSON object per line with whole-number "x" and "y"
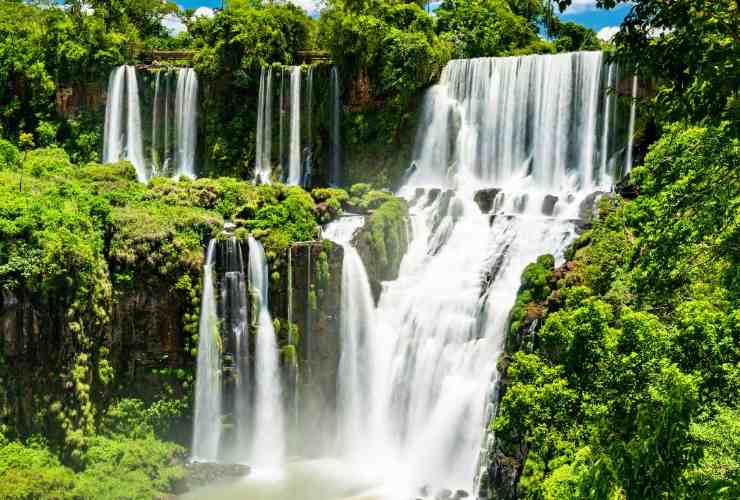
{"x": 485, "y": 199}
{"x": 548, "y": 204}
{"x": 432, "y": 196}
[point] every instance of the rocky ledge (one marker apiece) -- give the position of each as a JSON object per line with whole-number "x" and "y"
{"x": 199, "y": 474}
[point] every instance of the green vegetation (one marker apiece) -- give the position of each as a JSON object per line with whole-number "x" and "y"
{"x": 622, "y": 368}
{"x": 628, "y": 385}
{"x": 125, "y": 461}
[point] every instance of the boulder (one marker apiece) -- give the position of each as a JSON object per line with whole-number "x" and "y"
{"x": 548, "y": 204}
{"x": 485, "y": 198}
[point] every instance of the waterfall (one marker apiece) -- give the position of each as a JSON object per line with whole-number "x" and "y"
{"x": 308, "y": 150}
{"x": 609, "y": 111}
{"x": 263, "y": 157}
{"x": 113, "y": 132}
{"x": 294, "y": 154}
{"x": 134, "y": 147}
{"x": 235, "y": 334}
{"x": 207, "y": 421}
{"x": 514, "y": 118}
{"x": 357, "y": 413}
{"x": 336, "y": 165}
{"x": 269, "y": 433}
{"x": 525, "y": 129}
{"x": 186, "y": 113}
{"x": 124, "y": 137}
{"x": 156, "y": 104}
{"x": 631, "y": 132}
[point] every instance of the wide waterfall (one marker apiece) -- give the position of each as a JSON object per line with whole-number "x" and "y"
{"x": 525, "y": 132}
{"x": 511, "y": 154}
{"x": 269, "y": 433}
{"x": 168, "y": 148}
{"x": 358, "y": 415}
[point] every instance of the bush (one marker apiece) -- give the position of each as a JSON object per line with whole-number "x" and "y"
{"x": 10, "y": 156}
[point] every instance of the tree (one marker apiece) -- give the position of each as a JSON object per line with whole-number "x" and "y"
{"x": 483, "y": 28}
{"x": 691, "y": 48}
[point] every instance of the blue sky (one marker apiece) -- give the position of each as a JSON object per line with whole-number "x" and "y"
{"x": 583, "y": 12}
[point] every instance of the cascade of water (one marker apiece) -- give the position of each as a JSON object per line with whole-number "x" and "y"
{"x": 186, "y": 113}
{"x": 281, "y": 125}
{"x": 207, "y": 421}
{"x": 123, "y": 137}
{"x": 609, "y": 111}
{"x": 113, "y": 132}
{"x": 294, "y": 154}
{"x": 134, "y": 146}
{"x": 631, "y": 132}
{"x": 167, "y": 137}
{"x": 308, "y": 150}
{"x": 156, "y": 105}
{"x": 527, "y": 125}
{"x": 358, "y": 417}
{"x": 260, "y": 128}
{"x": 268, "y": 438}
{"x": 502, "y": 120}
{"x": 267, "y": 134}
{"x": 335, "y": 129}
{"x": 235, "y": 332}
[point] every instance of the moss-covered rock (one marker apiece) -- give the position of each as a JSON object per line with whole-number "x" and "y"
{"x": 382, "y": 242}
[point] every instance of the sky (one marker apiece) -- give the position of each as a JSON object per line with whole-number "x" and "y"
{"x": 585, "y": 12}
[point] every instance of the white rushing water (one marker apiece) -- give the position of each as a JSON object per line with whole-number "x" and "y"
{"x": 529, "y": 128}
{"x": 124, "y": 130}
{"x": 295, "y": 174}
{"x": 263, "y": 157}
{"x": 358, "y": 416}
{"x": 113, "y": 132}
{"x": 416, "y": 372}
{"x": 336, "y": 138}
{"x": 134, "y": 145}
{"x": 207, "y": 420}
{"x": 631, "y": 129}
{"x": 186, "y": 116}
{"x": 269, "y": 433}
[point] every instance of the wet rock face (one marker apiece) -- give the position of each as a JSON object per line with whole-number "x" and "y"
{"x": 144, "y": 334}
{"x": 315, "y": 299}
{"x": 587, "y": 208}
{"x": 485, "y": 199}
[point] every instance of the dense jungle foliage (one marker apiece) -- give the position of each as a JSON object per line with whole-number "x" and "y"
{"x": 623, "y": 365}
{"x": 628, "y": 386}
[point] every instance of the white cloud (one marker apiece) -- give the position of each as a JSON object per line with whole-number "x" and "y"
{"x": 607, "y": 32}
{"x": 581, "y": 6}
{"x": 173, "y": 24}
{"x": 310, "y": 6}
{"x": 204, "y": 12}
